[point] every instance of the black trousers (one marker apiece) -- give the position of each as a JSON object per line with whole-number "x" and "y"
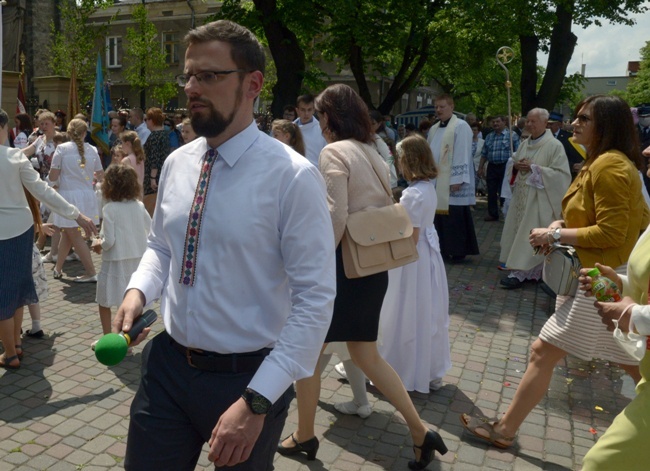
{"x": 494, "y": 177}
{"x": 177, "y": 406}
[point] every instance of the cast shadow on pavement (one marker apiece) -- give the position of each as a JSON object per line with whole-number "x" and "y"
{"x": 26, "y": 393}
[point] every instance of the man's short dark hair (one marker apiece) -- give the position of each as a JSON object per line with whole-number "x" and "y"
{"x": 245, "y": 49}
{"x": 307, "y": 98}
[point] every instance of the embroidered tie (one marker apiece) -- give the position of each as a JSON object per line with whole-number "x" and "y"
{"x": 188, "y": 269}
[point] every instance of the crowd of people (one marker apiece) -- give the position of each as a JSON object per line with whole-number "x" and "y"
{"x": 249, "y": 269}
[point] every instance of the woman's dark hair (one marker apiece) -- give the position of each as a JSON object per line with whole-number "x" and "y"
{"x": 4, "y": 118}
{"x": 613, "y": 128}
{"x": 120, "y": 183}
{"x": 24, "y": 123}
{"x": 122, "y": 119}
{"x": 347, "y": 114}
{"x": 378, "y": 118}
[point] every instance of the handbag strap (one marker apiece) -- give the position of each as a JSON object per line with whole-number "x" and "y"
{"x": 374, "y": 167}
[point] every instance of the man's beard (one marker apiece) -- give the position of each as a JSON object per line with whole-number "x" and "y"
{"x": 214, "y": 123}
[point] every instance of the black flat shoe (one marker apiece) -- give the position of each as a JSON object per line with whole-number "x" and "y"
{"x": 432, "y": 443}
{"x": 37, "y": 335}
{"x": 309, "y": 446}
{"x": 511, "y": 283}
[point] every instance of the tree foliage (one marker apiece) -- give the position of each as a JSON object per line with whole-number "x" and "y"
{"x": 73, "y": 46}
{"x": 146, "y": 66}
{"x": 415, "y": 42}
{"x": 639, "y": 90}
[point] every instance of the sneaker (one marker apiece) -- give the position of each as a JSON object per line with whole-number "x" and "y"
{"x": 49, "y": 258}
{"x": 350, "y": 408}
{"x": 436, "y": 384}
{"x": 73, "y": 257}
{"x": 93, "y": 345}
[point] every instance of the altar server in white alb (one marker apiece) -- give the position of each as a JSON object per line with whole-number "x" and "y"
{"x": 451, "y": 143}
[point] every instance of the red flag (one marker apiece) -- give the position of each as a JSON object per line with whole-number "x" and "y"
{"x": 20, "y": 105}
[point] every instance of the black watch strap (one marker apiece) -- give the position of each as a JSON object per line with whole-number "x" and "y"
{"x": 257, "y": 403}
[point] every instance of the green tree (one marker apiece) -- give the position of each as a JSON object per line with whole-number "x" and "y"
{"x": 547, "y": 26}
{"x": 73, "y": 46}
{"x": 146, "y": 68}
{"x": 416, "y": 41}
{"x": 639, "y": 90}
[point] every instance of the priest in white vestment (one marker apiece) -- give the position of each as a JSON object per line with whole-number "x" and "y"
{"x": 542, "y": 178}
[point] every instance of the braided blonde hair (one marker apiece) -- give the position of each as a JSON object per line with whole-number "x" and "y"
{"x": 77, "y": 129}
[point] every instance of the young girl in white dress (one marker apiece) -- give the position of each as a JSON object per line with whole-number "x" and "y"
{"x": 414, "y": 318}
{"x": 415, "y": 313}
{"x": 122, "y": 239}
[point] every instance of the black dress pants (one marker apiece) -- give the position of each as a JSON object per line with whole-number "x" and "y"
{"x": 177, "y": 406}
{"x": 494, "y": 179}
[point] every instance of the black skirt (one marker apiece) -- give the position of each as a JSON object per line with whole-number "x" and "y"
{"x": 357, "y": 305}
{"x": 16, "y": 281}
{"x": 456, "y": 232}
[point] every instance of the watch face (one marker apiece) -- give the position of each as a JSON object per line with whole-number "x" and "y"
{"x": 260, "y": 404}
{"x": 257, "y": 403}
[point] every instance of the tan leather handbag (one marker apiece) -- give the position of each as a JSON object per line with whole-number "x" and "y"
{"x": 377, "y": 239}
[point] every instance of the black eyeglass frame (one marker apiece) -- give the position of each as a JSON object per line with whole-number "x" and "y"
{"x": 183, "y": 79}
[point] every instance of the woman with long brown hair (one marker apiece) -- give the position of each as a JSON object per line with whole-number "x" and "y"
{"x": 353, "y": 185}
{"x": 604, "y": 213}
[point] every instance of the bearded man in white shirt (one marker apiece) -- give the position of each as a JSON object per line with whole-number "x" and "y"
{"x": 244, "y": 267}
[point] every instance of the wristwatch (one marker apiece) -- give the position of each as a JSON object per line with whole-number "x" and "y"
{"x": 257, "y": 403}
{"x": 557, "y": 234}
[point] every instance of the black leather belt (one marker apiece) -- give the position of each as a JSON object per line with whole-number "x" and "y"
{"x": 219, "y": 362}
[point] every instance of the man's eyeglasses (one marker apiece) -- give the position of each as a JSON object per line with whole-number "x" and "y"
{"x": 583, "y": 118}
{"x": 207, "y": 77}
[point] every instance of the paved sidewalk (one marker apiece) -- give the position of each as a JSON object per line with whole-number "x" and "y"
{"x": 64, "y": 411}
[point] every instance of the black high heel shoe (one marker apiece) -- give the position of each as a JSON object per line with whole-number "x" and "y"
{"x": 309, "y": 446}
{"x": 432, "y": 443}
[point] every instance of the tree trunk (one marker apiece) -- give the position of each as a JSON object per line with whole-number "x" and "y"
{"x": 287, "y": 54}
{"x": 528, "y": 84}
{"x": 563, "y": 42}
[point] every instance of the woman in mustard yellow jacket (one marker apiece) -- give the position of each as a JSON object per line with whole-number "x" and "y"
{"x": 604, "y": 213}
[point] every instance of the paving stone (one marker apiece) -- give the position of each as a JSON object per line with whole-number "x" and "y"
{"x": 63, "y": 410}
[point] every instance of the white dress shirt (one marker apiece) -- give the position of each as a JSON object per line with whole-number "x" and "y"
{"x": 265, "y": 269}
{"x": 143, "y": 132}
{"x": 313, "y": 137}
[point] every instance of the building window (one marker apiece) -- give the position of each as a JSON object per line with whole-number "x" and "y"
{"x": 170, "y": 46}
{"x": 113, "y": 45}
{"x": 611, "y": 83}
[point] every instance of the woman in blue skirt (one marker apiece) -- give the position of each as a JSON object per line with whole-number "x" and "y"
{"x": 17, "y": 238}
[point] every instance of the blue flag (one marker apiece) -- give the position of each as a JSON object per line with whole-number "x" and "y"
{"x": 99, "y": 123}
